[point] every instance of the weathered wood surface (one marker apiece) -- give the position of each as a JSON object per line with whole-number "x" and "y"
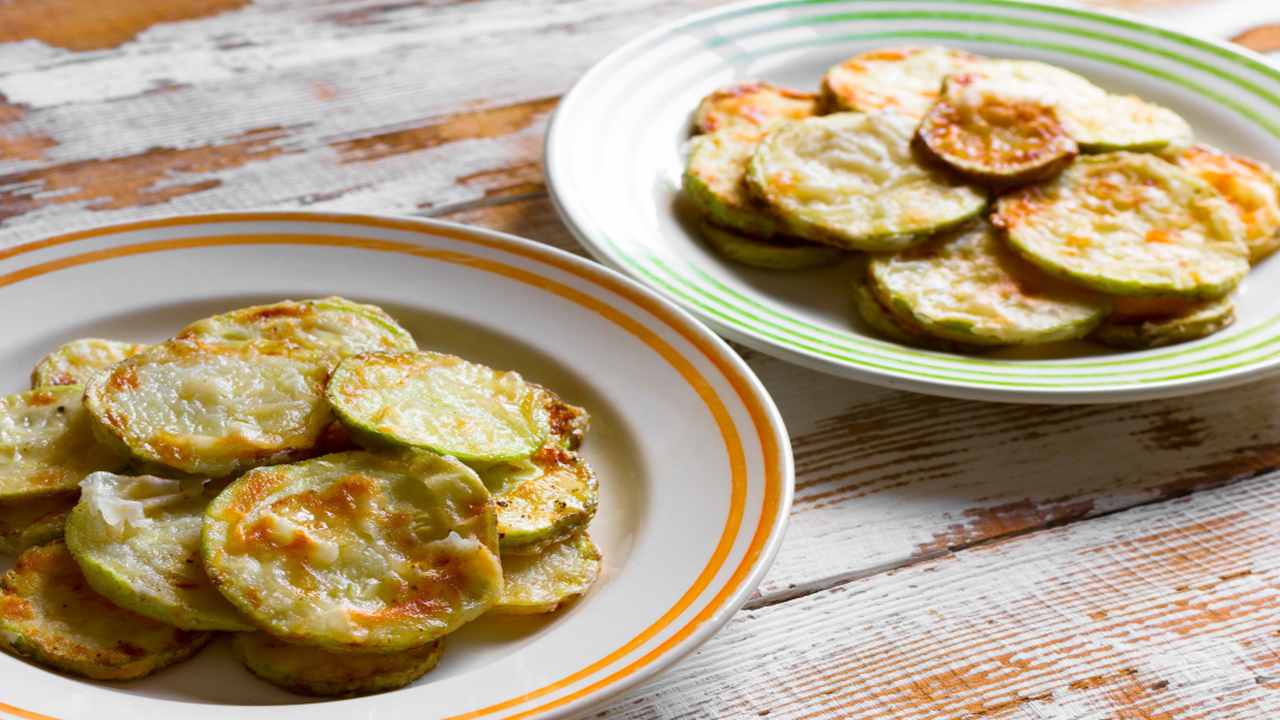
{"x": 112, "y": 111}
{"x": 1164, "y": 611}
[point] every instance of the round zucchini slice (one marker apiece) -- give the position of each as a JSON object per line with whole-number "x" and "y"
{"x": 714, "y": 180}
{"x": 543, "y": 499}
{"x": 356, "y": 551}
{"x": 967, "y": 287}
{"x": 1122, "y": 122}
{"x": 212, "y": 409}
{"x": 47, "y": 443}
{"x": 48, "y": 614}
{"x": 898, "y": 328}
{"x": 851, "y": 180}
{"x": 311, "y": 671}
{"x": 776, "y": 253}
{"x": 994, "y": 133}
{"x": 27, "y": 522}
{"x": 751, "y": 106}
{"x": 1128, "y": 224}
{"x": 137, "y": 539}
{"x": 1252, "y": 189}
{"x": 333, "y": 326}
{"x": 1200, "y": 320}
{"x": 441, "y": 403}
{"x": 536, "y": 584}
{"x": 905, "y": 80}
{"x": 75, "y": 362}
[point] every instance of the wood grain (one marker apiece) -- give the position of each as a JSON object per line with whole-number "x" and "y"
{"x": 94, "y": 24}
{"x": 1165, "y": 611}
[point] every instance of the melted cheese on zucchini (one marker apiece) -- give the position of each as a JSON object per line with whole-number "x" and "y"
{"x": 75, "y": 362}
{"x": 212, "y": 409}
{"x": 851, "y": 180}
{"x": 751, "y": 106}
{"x": 967, "y": 287}
{"x": 137, "y": 539}
{"x": 1129, "y": 224}
{"x": 442, "y": 403}
{"x": 356, "y": 550}
{"x": 904, "y": 80}
{"x": 1252, "y": 189}
{"x": 541, "y": 583}
{"x": 47, "y": 443}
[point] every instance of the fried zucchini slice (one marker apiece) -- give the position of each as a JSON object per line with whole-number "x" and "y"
{"x": 751, "y": 106}
{"x": 1200, "y": 320}
{"x": 312, "y": 671}
{"x": 776, "y": 253}
{"x": 995, "y": 133}
{"x": 1252, "y": 189}
{"x": 47, "y": 443}
{"x": 542, "y": 499}
{"x": 75, "y": 362}
{"x": 715, "y": 181}
{"x": 137, "y": 539}
{"x": 27, "y": 522}
{"x": 212, "y": 409}
{"x": 441, "y": 403}
{"x": 568, "y": 423}
{"x": 851, "y": 180}
{"x": 1128, "y": 224}
{"x": 1122, "y": 122}
{"x": 356, "y": 550}
{"x": 536, "y": 584}
{"x": 898, "y": 328}
{"x": 333, "y": 326}
{"x": 49, "y": 614}
{"x": 905, "y": 80}
{"x": 967, "y": 287}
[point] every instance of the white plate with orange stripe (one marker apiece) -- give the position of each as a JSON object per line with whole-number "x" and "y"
{"x": 694, "y": 462}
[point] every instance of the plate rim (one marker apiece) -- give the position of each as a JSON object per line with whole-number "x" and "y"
{"x": 557, "y": 137}
{"x": 631, "y": 666}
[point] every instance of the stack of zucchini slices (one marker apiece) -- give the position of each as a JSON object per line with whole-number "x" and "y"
{"x": 299, "y": 474}
{"x": 992, "y": 202}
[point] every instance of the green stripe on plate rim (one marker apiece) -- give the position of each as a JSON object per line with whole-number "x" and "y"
{"x": 1004, "y": 40}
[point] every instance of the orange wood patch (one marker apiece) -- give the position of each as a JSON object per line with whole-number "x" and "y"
{"x": 97, "y": 24}
{"x": 1262, "y": 38}
{"x": 149, "y": 178}
{"x": 472, "y": 125}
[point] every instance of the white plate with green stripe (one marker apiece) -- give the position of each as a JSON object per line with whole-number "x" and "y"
{"x": 614, "y": 160}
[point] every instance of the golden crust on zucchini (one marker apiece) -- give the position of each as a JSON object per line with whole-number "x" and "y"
{"x": 356, "y": 551}
{"x": 751, "y": 106}
{"x": 73, "y": 363}
{"x": 49, "y": 614}
{"x": 995, "y": 134}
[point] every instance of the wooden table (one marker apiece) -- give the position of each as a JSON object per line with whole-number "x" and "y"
{"x": 945, "y": 559}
